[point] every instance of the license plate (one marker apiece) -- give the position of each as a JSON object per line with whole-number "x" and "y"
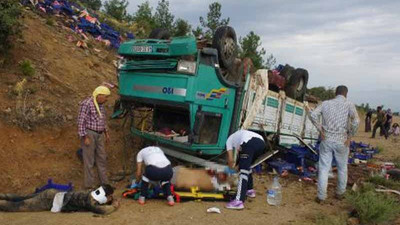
{"x": 142, "y": 48}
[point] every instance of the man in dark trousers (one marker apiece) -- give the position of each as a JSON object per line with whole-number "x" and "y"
{"x": 249, "y": 145}
{"x": 98, "y": 201}
{"x": 92, "y": 130}
{"x": 380, "y": 121}
{"x": 156, "y": 168}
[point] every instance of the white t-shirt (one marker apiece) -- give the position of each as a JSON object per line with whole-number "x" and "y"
{"x": 239, "y": 137}
{"x": 153, "y": 156}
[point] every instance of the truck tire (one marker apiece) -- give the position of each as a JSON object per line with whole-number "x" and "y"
{"x": 296, "y": 86}
{"x": 287, "y": 72}
{"x": 160, "y": 33}
{"x": 226, "y": 44}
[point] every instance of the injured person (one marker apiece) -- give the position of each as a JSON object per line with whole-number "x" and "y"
{"x": 98, "y": 201}
{"x": 206, "y": 180}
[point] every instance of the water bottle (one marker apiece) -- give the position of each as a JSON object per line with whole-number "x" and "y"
{"x": 274, "y": 193}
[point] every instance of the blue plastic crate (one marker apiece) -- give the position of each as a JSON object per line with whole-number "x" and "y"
{"x": 51, "y": 185}
{"x": 281, "y": 165}
{"x": 362, "y": 156}
{"x": 370, "y": 151}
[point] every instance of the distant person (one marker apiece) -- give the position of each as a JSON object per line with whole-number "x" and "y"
{"x": 379, "y": 121}
{"x": 153, "y": 165}
{"x": 249, "y": 145}
{"x": 98, "y": 201}
{"x": 395, "y": 130}
{"x": 339, "y": 124}
{"x": 92, "y": 130}
{"x": 388, "y": 122}
{"x": 368, "y": 119}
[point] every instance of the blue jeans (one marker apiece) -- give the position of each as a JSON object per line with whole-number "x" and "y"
{"x": 327, "y": 150}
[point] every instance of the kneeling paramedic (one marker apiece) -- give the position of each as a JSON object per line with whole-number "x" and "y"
{"x": 249, "y": 145}
{"x": 157, "y": 168}
{"x": 98, "y": 201}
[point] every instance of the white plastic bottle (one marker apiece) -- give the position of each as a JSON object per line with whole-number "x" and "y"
{"x": 274, "y": 193}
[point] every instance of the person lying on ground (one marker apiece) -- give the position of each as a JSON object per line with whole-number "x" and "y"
{"x": 99, "y": 201}
{"x": 157, "y": 168}
{"x": 206, "y": 180}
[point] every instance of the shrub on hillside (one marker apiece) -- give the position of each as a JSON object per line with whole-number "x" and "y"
{"x": 9, "y": 24}
{"x": 27, "y": 68}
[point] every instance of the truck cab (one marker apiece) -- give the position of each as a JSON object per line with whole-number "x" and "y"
{"x": 182, "y": 90}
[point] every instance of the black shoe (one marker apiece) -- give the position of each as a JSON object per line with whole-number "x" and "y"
{"x": 339, "y": 197}
{"x": 319, "y": 201}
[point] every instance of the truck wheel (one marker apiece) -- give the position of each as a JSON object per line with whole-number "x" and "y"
{"x": 287, "y": 72}
{"x": 160, "y": 33}
{"x": 296, "y": 87}
{"x": 226, "y": 44}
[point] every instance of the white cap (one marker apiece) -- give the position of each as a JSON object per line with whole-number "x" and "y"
{"x": 99, "y": 195}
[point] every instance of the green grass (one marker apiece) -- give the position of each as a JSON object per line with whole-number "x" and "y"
{"x": 380, "y": 149}
{"x": 391, "y": 184}
{"x": 396, "y": 162}
{"x": 373, "y": 207}
{"x": 322, "y": 219}
{"x": 27, "y": 68}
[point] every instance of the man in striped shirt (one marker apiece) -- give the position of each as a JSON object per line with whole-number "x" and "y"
{"x": 92, "y": 130}
{"x": 339, "y": 123}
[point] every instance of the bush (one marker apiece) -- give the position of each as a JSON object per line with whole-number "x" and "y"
{"x": 380, "y": 149}
{"x": 9, "y": 24}
{"x": 26, "y": 68}
{"x": 378, "y": 180}
{"x": 50, "y": 21}
{"x": 373, "y": 207}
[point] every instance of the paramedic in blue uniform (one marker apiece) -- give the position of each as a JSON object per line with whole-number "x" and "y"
{"x": 249, "y": 145}
{"x": 156, "y": 168}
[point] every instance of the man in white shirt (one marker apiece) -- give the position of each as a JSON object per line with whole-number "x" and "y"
{"x": 250, "y": 146}
{"x": 157, "y": 168}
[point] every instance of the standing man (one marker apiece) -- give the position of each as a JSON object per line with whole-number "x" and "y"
{"x": 157, "y": 168}
{"x": 380, "y": 120}
{"x": 92, "y": 130}
{"x": 339, "y": 123}
{"x": 388, "y": 122}
{"x": 250, "y": 146}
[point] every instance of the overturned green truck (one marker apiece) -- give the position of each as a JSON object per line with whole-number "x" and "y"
{"x": 194, "y": 94}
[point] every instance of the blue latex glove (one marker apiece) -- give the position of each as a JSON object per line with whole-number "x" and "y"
{"x": 229, "y": 171}
{"x": 136, "y": 185}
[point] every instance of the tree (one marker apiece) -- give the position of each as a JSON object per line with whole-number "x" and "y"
{"x": 322, "y": 93}
{"x": 250, "y": 47}
{"x": 163, "y": 18}
{"x": 270, "y": 62}
{"x": 116, "y": 8}
{"x": 144, "y": 20}
{"x": 198, "y": 32}
{"x": 92, "y": 4}
{"x": 9, "y": 24}
{"x": 213, "y": 20}
{"x": 181, "y": 28}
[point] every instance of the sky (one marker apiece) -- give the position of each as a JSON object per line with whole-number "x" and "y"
{"x": 340, "y": 42}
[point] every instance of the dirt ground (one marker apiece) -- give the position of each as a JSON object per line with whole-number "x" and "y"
{"x": 65, "y": 75}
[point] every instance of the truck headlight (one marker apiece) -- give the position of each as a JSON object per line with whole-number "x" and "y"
{"x": 186, "y": 67}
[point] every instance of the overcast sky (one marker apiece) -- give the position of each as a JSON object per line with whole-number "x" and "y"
{"x": 355, "y": 43}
